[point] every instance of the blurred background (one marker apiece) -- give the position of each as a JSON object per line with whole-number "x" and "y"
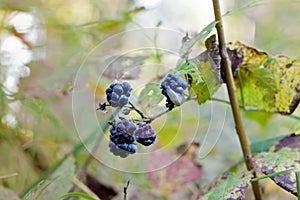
{"x": 44, "y": 43}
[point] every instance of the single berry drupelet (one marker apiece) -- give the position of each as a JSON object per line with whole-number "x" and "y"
{"x": 117, "y": 94}
{"x": 122, "y": 150}
{"x": 145, "y": 135}
{"x": 173, "y": 88}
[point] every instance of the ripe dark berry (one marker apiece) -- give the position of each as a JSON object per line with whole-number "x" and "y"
{"x": 117, "y": 94}
{"x": 118, "y": 89}
{"x": 126, "y": 86}
{"x": 123, "y": 100}
{"x": 173, "y": 88}
{"x": 145, "y": 135}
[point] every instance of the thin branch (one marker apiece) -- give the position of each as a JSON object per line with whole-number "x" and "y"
{"x": 233, "y": 98}
{"x": 9, "y": 175}
{"x": 125, "y": 190}
{"x": 85, "y": 188}
{"x": 137, "y": 110}
{"x": 150, "y": 119}
{"x": 254, "y": 109}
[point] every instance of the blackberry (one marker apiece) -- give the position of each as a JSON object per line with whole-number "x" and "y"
{"x": 145, "y": 135}
{"x": 117, "y": 94}
{"x": 173, "y": 88}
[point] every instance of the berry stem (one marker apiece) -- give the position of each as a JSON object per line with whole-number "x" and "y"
{"x": 137, "y": 110}
{"x": 151, "y": 118}
{"x": 226, "y": 66}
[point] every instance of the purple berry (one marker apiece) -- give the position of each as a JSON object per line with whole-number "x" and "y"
{"x": 145, "y": 135}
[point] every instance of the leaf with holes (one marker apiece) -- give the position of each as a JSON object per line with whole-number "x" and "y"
{"x": 151, "y": 94}
{"x": 284, "y": 155}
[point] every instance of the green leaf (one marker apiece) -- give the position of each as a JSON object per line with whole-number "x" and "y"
{"x": 231, "y": 185}
{"x": 264, "y": 82}
{"x": 201, "y": 78}
{"x": 77, "y": 194}
{"x": 203, "y": 72}
{"x": 284, "y": 155}
{"x": 189, "y": 43}
{"x": 151, "y": 94}
{"x": 256, "y": 91}
{"x": 7, "y": 194}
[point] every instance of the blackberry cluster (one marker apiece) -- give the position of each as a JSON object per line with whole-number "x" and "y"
{"x": 117, "y": 94}
{"x": 124, "y": 133}
{"x": 145, "y": 135}
{"x": 173, "y": 88}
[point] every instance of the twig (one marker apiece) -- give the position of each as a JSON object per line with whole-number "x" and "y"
{"x": 125, "y": 190}
{"x": 9, "y": 175}
{"x": 150, "y": 119}
{"x": 253, "y": 109}
{"x": 233, "y": 98}
{"x": 137, "y": 110}
{"x": 85, "y": 188}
